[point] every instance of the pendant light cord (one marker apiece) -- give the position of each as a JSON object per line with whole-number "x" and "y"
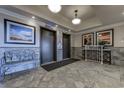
{"x": 76, "y": 13}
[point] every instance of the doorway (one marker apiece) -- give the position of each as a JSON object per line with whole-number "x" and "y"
{"x": 66, "y": 46}
{"x": 47, "y": 45}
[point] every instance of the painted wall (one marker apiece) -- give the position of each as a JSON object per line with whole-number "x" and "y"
{"x": 118, "y": 35}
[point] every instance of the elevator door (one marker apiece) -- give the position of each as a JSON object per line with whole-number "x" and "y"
{"x": 66, "y": 46}
{"x": 48, "y": 46}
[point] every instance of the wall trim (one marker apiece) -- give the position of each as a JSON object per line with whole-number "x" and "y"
{"x": 102, "y": 27}
{"x": 14, "y": 12}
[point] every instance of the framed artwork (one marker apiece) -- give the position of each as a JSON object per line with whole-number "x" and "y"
{"x": 18, "y": 33}
{"x": 105, "y": 37}
{"x": 88, "y": 39}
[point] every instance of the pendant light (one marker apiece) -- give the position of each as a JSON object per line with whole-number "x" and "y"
{"x": 54, "y": 8}
{"x": 76, "y": 20}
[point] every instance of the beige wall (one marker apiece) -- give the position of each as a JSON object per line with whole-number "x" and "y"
{"x": 118, "y": 34}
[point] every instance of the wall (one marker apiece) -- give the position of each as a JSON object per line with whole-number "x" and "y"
{"x": 117, "y": 49}
{"x": 118, "y": 34}
{"x": 30, "y": 22}
{"x": 18, "y": 47}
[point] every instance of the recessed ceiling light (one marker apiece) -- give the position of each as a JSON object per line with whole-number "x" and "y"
{"x": 33, "y": 17}
{"x": 56, "y": 25}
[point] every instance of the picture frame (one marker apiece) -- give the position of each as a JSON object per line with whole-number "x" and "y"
{"x": 105, "y": 37}
{"x": 18, "y": 33}
{"x": 88, "y": 39}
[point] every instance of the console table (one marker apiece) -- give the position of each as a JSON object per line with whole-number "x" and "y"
{"x": 96, "y": 53}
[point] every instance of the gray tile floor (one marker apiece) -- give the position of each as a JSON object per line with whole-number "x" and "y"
{"x": 76, "y": 75}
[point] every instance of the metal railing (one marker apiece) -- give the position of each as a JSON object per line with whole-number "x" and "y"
{"x": 93, "y": 53}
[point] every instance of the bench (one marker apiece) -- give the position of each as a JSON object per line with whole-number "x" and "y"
{"x": 17, "y": 60}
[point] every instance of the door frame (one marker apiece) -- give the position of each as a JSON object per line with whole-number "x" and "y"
{"x": 69, "y": 44}
{"x": 55, "y": 47}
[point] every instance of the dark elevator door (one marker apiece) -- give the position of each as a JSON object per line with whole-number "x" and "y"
{"x": 66, "y": 46}
{"x": 48, "y": 46}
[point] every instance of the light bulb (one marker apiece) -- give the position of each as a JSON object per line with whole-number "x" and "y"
{"x": 76, "y": 21}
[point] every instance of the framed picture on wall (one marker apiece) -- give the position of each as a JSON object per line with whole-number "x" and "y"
{"x": 18, "y": 33}
{"x": 88, "y": 39}
{"x": 105, "y": 37}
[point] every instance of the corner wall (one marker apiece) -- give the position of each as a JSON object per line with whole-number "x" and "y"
{"x": 18, "y": 47}
{"x": 117, "y": 49}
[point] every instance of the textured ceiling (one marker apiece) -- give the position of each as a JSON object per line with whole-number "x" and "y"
{"x": 91, "y": 15}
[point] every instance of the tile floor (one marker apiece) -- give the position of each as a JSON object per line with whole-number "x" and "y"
{"x": 76, "y": 75}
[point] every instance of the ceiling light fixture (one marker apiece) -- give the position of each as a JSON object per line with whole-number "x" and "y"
{"x": 76, "y": 20}
{"x": 54, "y": 8}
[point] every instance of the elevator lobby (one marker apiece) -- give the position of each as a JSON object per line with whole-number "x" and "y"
{"x": 61, "y": 46}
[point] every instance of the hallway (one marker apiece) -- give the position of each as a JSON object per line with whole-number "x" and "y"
{"x": 75, "y": 75}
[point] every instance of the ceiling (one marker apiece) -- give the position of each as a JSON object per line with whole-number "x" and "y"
{"x": 84, "y": 11}
{"x": 91, "y": 15}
